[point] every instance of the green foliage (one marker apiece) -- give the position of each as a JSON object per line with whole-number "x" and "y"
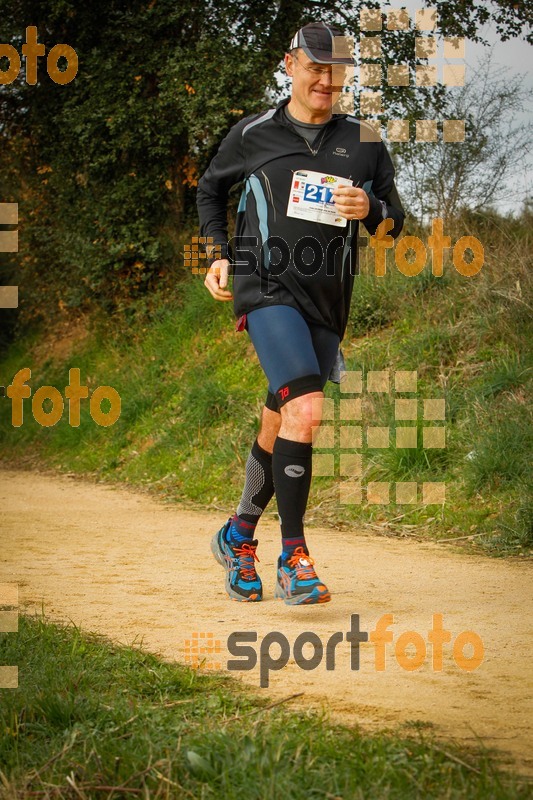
{"x": 411, "y": 464}
{"x": 509, "y": 373}
{"x": 515, "y": 527}
{"x": 105, "y": 201}
{"x": 502, "y": 451}
{"x": 372, "y": 305}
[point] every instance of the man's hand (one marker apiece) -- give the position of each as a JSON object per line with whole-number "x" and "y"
{"x": 216, "y": 279}
{"x": 351, "y": 202}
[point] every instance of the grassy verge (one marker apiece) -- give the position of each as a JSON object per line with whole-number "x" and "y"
{"x": 192, "y": 391}
{"x": 91, "y": 719}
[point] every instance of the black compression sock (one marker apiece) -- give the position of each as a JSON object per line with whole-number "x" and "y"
{"x": 291, "y": 469}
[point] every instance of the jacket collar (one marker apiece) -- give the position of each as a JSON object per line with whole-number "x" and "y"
{"x": 280, "y": 117}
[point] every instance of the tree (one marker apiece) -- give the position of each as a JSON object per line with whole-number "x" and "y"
{"x": 442, "y": 178}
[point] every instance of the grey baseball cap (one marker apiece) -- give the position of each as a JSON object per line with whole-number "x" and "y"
{"x": 316, "y": 40}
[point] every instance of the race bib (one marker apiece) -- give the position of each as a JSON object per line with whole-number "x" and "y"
{"x": 311, "y": 197}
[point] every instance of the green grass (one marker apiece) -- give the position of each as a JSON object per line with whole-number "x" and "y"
{"x": 192, "y": 391}
{"x": 500, "y": 452}
{"x": 92, "y": 719}
{"x": 507, "y": 374}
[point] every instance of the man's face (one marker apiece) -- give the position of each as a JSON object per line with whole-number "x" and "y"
{"x": 312, "y": 86}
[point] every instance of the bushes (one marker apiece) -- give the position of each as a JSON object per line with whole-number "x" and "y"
{"x": 104, "y": 169}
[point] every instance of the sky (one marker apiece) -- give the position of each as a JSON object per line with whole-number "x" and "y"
{"x": 518, "y": 57}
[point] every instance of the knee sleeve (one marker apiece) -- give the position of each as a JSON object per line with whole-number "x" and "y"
{"x": 271, "y": 402}
{"x": 297, "y": 387}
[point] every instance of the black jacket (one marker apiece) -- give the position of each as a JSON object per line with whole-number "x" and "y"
{"x": 264, "y": 150}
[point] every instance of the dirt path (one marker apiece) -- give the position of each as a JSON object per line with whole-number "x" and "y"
{"x": 128, "y": 566}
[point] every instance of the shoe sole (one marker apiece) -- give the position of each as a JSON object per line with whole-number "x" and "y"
{"x": 219, "y": 556}
{"x": 313, "y": 598}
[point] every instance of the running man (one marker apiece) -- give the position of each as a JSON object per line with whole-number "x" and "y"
{"x": 309, "y": 176}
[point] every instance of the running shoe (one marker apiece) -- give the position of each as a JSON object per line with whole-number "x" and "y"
{"x": 297, "y": 583}
{"x": 242, "y": 581}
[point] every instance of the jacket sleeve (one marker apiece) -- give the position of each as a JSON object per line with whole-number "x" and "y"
{"x": 225, "y": 170}
{"x": 384, "y": 200}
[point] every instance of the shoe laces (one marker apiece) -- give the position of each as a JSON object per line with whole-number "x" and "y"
{"x": 246, "y": 555}
{"x": 303, "y": 571}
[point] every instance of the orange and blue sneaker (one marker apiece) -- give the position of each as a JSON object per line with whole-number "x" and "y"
{"x": 297, "y": 583}
{"x": 238, "y": 559}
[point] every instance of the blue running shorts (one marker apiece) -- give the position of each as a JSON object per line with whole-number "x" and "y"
{"x": 296, "y": 356}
